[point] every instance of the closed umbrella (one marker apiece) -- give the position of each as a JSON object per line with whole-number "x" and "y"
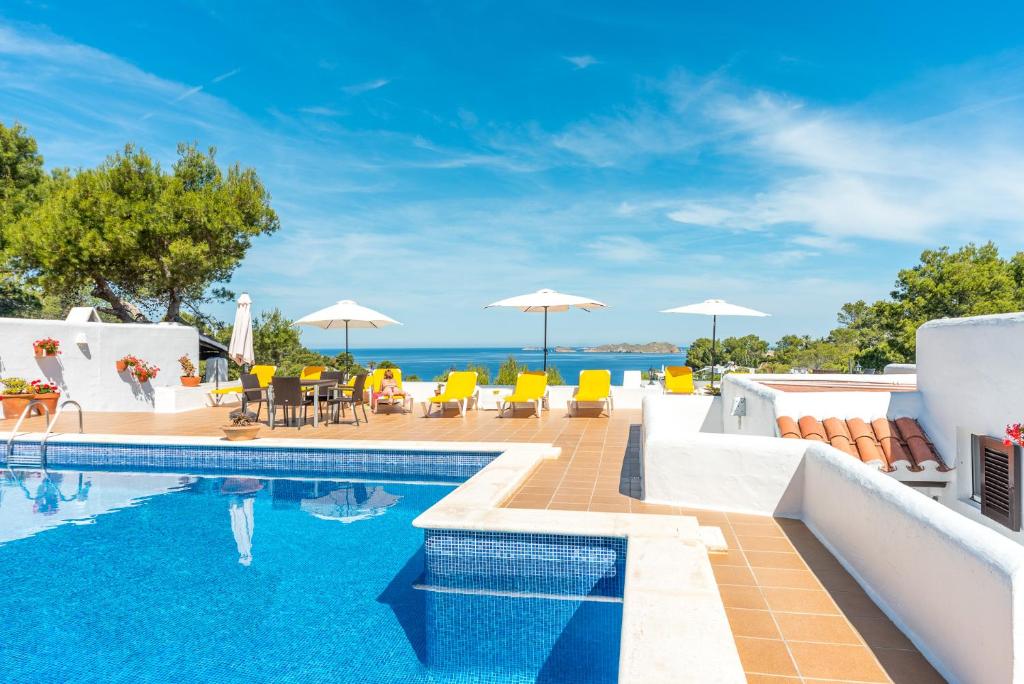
{"x": 715, "y": 308}
{"x": 240, "y": 349}
{"x": 346, "y": 314}
{"x": 548, "y": 301}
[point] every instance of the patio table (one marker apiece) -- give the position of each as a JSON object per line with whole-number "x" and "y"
{"x": 307, "y": 385}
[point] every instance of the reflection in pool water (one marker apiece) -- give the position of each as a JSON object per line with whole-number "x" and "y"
{"x": 143, "y": 578}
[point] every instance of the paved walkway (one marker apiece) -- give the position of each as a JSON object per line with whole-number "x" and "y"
{"x": 796, "y": 614}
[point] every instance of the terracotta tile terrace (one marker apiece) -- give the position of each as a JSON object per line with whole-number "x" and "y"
{"x": 796, "y": 614}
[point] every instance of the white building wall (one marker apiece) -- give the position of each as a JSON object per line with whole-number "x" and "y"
{"x": 971, "y": 379}
{"x": 85, "y": 370}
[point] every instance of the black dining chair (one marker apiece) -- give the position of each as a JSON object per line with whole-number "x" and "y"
{"x": 289, "y": 397}
{"x": 251, "y": 391}
{"x": 327, "y": 391}
{"x": 357, "y": 397}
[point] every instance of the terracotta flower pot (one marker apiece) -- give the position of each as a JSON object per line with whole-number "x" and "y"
{"x": 240, "y": 433}
{"x": 38, "y": 351}
{"x": 14, "y": 404}
{"x": 122, "y": 366}
{"x": 190, "y": 380}
{"x": 49, "y": 400}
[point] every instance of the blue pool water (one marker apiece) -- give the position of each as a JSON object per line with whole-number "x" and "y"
{"x": 152, "y": 577}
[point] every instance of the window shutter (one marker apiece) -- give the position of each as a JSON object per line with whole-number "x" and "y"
{"x": 1000, "y": 481}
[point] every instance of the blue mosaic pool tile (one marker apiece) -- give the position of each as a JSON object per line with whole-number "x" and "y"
{"x": 525, "y": 563}
{"x": 454, "y": 466}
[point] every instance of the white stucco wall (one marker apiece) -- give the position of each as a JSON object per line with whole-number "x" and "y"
{"x": 934, "y": 572}
{"x": 86, "y": 372}
{"x": 970, "y": 376}
{"x": 764, "y": 404}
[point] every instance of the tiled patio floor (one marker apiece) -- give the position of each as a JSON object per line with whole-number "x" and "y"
{"x": 796, "y": 614}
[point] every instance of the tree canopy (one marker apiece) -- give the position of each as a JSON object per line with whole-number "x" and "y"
{"x": 142, "y": 240}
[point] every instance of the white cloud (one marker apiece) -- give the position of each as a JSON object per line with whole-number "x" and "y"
{"x": 359, "y": 88}
{"x": 322, "y": 111}
{"x": 189, "y": 93}
{"x": 225, "y": 76}
{"x": 581, "y": 61}
{"x": 621, "y": 249}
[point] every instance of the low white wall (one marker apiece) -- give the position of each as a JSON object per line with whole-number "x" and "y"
{"x": 764, "y": 404}
{"x": 933, "y": 572}
{"x": 85, "y": 372}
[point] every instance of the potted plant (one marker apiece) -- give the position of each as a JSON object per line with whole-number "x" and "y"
{"x": 1014, "y": 435}
{"x": 241, "y": 428}
{"x": 47, "y": 393}
{"x": 144, "y": 372}
{"x": 126, "y": 362}
{"x": 16, "y": 395}
{"x": 47, "y": 346}
{"x": 188, "y": 372}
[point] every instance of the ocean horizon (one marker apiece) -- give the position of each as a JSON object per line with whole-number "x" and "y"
{"x": 430, "y": 362}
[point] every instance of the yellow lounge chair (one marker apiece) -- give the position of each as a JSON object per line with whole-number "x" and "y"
{"x": 264, "y": 373}
{"x": 460, "y": 389}
{"x": 678, "y": 380}
{"x": 531, "y": 388}
{"x": 595, "y": 386}
{"x": 374, "y": 383}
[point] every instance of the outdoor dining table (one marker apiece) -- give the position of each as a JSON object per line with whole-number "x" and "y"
{"x": 307, "y": 385}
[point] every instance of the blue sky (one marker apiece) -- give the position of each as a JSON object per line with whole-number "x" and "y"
{"x": 429, "y": 158}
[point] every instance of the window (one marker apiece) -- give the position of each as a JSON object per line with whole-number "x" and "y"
{"x": 996, "y": 469}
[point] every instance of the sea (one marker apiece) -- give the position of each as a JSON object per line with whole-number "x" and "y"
{"x": 429, "y": 363}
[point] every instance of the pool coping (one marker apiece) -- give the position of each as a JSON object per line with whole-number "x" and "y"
{"x": 674, "y": 625}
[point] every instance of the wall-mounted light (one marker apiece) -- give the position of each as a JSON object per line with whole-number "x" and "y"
{"x": 739, "y": 407}
{"x": 82, "y": 340}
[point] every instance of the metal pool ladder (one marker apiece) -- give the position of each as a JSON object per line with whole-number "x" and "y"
{"x": 40, "y": 460}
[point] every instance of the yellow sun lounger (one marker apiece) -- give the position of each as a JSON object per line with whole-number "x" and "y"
{"x": 531, "y": 388}
{"x": 312, "y": 372}
{"x": 373, "y": 385}
{"x": 595, "y": 387}
{"x": 678, "y": 380}
{"x": 262, "y": 373}
{"x": 460, "y": 389}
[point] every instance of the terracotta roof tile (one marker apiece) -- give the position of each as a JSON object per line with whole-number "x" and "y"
{"x": 789, "y": 428}
{"x": 839, "y": 436}
{"x": 884, "y": 443}
{"x": 811, "y": 428}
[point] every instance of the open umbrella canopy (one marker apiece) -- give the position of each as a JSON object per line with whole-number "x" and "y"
{"x": 240, "y": 348}
{"x": 346, "y": 314}
{"x": 543, "y": 301}
{"x": 715, "y": 308}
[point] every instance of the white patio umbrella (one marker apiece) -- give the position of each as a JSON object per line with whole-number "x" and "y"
{"x": 548, "y": 301}
{"x": 715, "y": 308}
{"x": 347, "y": 314}
{"x": 240, "y": 349}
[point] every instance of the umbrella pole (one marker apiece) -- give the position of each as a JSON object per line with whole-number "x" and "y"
{"x": 545, "y": 339}
{"x": 714, "y": 330}
{"x": 346, "y": 354}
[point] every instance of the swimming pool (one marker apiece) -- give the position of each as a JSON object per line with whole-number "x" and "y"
{"x": 158, "y": 577}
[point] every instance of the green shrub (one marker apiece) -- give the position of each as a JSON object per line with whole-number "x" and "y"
{"x": 509, "y": 371}
{"x": 554, "y": 377}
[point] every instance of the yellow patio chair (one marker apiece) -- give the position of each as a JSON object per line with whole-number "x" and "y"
{"x": 263, "y": 373}
{"x": 312, "y": 372}
{"x": 678, "y": 380}
{"x": 595, "y": 386}
{"x": 531, "y": 388}
{"x": 460, "y": 389}
{"x": 374, "y": 383}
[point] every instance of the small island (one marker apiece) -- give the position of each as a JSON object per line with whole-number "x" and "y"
{"x": 626, "y": 348}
